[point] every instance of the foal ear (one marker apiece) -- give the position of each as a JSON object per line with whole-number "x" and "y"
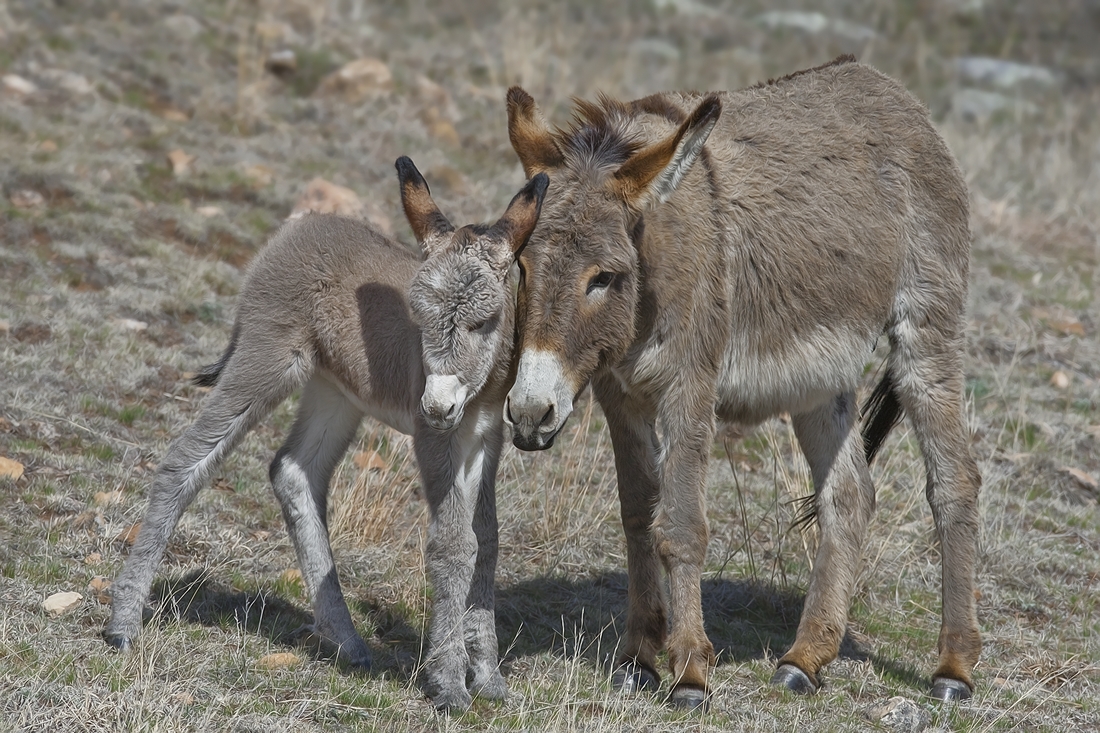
{"x": 530, "y": 135}
{"x": 652, "y": 174}
{"x": 519, "y": 220}
{"x": 424, "y": 216}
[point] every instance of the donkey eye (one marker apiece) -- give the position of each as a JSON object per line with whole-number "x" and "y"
{"x": 600, "y": 281}
{"x": 477, "y": 326}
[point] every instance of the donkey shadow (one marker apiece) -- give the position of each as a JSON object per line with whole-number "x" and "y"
{"x": 575, "y": 619}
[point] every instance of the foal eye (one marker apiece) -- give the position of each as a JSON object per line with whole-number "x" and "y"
{"x": 600, "y": 281}
{"x": 479, "y": 326}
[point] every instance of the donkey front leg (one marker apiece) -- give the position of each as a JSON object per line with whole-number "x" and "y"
{"x": 300, "y": 474}
{"x": 481, "y": 625}
{"x": 680, "y": 534}
{"x": 635, "y": 446}
{"x": 451, "y": 469}
{"x": 844, "y": 500}
{"x": 237, "y": 403}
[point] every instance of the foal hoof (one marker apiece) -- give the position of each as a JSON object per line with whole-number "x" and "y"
{"x": 794, "y": 679}
{"x": 119, "y": 641}
{"x": 687, "y": 697}
{"x": 946, "y": 689}
{"x": 631, "y": 678}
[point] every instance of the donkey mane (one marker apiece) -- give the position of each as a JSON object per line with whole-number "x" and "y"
{"x": 600, "y": 135}
{"x": 846, "y": 58}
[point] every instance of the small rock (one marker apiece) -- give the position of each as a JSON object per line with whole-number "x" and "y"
{"x": 281, "y": 63}
{"x": 26, "y": 198}
{"x": 183, "y": 698}
{"x": 60, "y": 603}
{"x": 259, "y": 175}
{"x": 368, "y": 460}
{"x": 183, "y": 27}
{"x": 1059, "y": 380}
{"x": 70, "y": 81}
{"x": 130, "y": 324}
{"x": 18, "y": 85}
{"x": 99, "y": 588}
{"x": 11, "y": 469}
{"x": 172, "y": 114}
{"x": 180, "y": 162}
{"x": 357, "y": 80}
{"x": 323, "y": 197}
{"x": 899, "y": 714}
{"x": 815, "y": 23}
{"x": 279, "y": 660}
{"x": 47, "y": 146}
{"x": 209, "y": 211}
{"x": 107, "y": 498}
{"x": 129, "y": 535}
{"x": 93, "y": 559}
{"x": 1004, "y": 74}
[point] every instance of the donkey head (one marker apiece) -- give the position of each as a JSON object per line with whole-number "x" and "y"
{"x": 580, "y": 273}
{"x": 461, "y": 297}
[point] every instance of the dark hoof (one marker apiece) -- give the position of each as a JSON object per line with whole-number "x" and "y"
{"x": 118, "y": 641}
{"x": 946, "y": 689}
{"x": 794, "y": 679}
{"x": 631, "y": 678}
{"x": 687, "y": 697}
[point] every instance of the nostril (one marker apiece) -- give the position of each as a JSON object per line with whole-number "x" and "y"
{"x": 508, "y": 411}
{"x": 548, "y": 418}
{"x": 451, "y": 412}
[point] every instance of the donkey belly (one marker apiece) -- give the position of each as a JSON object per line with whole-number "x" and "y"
{"x": 797, "y": 376}
{"x": 400, "y": 419}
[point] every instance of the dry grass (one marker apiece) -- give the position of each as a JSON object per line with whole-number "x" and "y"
{"x": 88, "y": 404}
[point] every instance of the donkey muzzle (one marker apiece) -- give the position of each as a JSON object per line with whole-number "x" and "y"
{"x": 540, "y": 402}
{"x": 443, "y": 401}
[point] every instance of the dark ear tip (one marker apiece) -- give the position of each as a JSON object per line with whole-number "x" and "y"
{"x": 540, "y": 183}
{"x": 518, "y": 97}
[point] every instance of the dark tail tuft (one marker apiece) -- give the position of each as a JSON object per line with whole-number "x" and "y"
{"x": 209, "y": 374}
{"x": 881, "y": 412}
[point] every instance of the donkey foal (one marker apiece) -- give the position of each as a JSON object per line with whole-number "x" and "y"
{"x": 367, "y": 328}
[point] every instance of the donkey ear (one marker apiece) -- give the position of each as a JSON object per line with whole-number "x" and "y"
{"x": 652, "y": 174}
{"x": 519, "y": 220}
{"x": 530, "y": 135}
{"x": 424, "y": 216}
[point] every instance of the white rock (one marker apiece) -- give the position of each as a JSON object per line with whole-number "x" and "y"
{"x": 815, "y": 23}
{"x": 63, "y": 602}
{"x": 1004, "y": 74}
{"x": 978, "y": 104}
{"x": 17, "y": 84}
{"x": 182, "y": 26}
{"x": 899, "y": 714}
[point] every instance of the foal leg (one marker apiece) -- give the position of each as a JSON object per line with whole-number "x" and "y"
{"x": 451, "y": 468}
{"x": 634, "y": 441}
{"x": 844, "y": 500}
{"x": 929, "y": 383}
{"x": 243, "y": 395}
{"x": 481, "y": 624}
{"x": 300, "y": 474}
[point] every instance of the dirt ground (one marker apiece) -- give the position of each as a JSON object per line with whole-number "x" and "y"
{"x": 149, "y": 148}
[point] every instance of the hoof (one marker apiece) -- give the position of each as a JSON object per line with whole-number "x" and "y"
{"x": 687, "y": 697}
{"x": 352, "y": 654}
{"x": 631, "y": 678}
{"x": 946, "y": 689}
{"x": 494, "y": 688}
{"x": 794, "y": 679}
{"x": 119, "y": 641}
{"x": 458, "y": 701}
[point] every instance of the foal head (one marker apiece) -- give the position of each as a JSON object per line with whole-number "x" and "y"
{"x": 580, "y": 281}
{"x": 461, "y": 297}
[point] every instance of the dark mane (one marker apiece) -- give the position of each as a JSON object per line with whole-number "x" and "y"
{"x": 599, "y": 135}
{"x": 838, "y": 61}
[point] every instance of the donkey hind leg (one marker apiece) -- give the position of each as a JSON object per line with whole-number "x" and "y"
{"x": 844, "y": 502}
{"x": 300, "y": 473}
{"x": 451, "y": 469}
{"x": 481, "y": 629}
{"x": 927, "y": 372}
{"x": 634, "y": 441}
{"x": 237, "y": 403}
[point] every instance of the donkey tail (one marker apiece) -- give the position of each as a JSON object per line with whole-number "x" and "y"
{"x": 208, "y": 375}
{"x": 881, "y": 412}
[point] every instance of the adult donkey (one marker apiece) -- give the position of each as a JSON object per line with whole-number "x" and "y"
{"x": 737, "y": 255}
{"x": 368, "y": 328}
